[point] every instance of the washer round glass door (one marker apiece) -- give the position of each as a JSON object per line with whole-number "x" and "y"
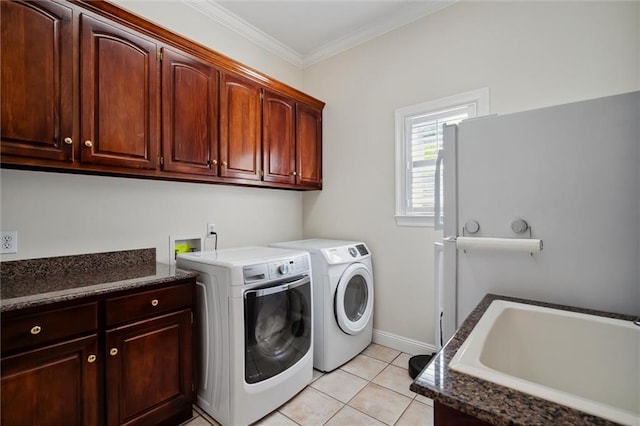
{"x": 353, "y": 302}
{"x": 277, "y": 328}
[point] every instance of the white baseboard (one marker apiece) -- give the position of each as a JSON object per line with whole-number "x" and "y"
{"x": 404, "y": 344}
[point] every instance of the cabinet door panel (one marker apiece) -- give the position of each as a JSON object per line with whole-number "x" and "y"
{"x": 120, "y": 109}
{"x": 37, "y": 104}
{"x": 149, "y": 378}
{"x": 189, "y": 114}
{"x": 279, "y": 144}
{"x": 240, "y": 128}
{"x": 54, "y": 385}
{"x": 309, "y": 146}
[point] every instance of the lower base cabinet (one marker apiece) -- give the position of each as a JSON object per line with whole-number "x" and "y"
{"x": 127, "y": 360}
{"x": 53, "y": 385}
{"x": 148, "y": 376}
{"x": 447, "y": 416}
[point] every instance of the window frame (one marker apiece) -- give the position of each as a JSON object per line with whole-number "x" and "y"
{"x": 478, "y": 98}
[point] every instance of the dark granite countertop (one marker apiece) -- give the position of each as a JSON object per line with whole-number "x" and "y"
{"x": 491, "y": 402}
{"x": 36, "y": 282}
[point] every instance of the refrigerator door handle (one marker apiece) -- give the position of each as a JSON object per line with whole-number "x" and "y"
{"x": 437, "y": 209}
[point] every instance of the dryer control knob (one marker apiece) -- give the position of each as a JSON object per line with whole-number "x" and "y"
{"x": 283, "y": 269}
{"x": 353, "y": 252}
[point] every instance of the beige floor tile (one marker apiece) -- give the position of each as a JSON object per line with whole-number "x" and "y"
{"x": 348, "y": 416}
{"x": 395, "y": 378}
{"x": 380, "y": 352}
{"x": 364, "y": 366}
{"x": 402, "y": 360}
{"x": 311, "y": 407}
{"x": 424, "y": 400}
{"x": 206, "y": 417}
{"x": 275, "y": 419}
{"x": 417, "y": 414}
{"x": 380, "y": 403}
{"x": 340, "y": 385}
{"x": 198, "y": 421}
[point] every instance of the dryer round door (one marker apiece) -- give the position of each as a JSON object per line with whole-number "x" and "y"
{"x": 353, "y": 302}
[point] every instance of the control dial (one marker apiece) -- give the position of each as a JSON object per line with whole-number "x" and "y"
{"x": 283, "y": 269}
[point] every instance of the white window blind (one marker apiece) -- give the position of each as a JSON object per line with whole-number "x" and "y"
{"x": 424, "y": 134}
{"x": 418, "y": 139}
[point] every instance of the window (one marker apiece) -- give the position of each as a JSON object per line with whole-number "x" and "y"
{"x": 418, "y": 140}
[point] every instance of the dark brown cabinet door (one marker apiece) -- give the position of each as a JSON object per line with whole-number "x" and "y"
{"x": 37, "y": 80}
{"x": 149, "y": 366}
{"x": 279, "y": 143}
{"x": 240, "y": 128}
{"x": 189, "y": 114}
{"x": 120, "y": 110}
{"x": 54, "y": 385}
{"x": 309, "y": 146}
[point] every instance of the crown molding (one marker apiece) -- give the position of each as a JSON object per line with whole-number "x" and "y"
{"x": 219, "y": 14}
{"x": 222, "y": 16}
{"x": 390, "y": 23}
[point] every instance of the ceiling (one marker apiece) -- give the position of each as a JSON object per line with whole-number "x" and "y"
{"x": 304, "y": 32}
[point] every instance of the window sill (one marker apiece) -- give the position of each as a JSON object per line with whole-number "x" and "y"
{"x": 423, "y": 221}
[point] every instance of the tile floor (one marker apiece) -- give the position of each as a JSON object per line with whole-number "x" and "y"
{"x": 371, "y": 389}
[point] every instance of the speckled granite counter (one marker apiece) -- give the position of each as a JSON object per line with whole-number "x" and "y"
{"x": 488, "y": 401}
{"x": 35, "y": 282}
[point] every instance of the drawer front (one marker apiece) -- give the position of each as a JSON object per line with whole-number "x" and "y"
{"x": 148, "y": 303}
{"x": 44, "y": 327}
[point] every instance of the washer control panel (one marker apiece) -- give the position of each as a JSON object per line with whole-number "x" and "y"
{"x": 275, "y": 270}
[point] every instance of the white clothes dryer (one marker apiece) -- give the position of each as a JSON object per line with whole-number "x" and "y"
{"x": 343, "y": 299}
{"x": 255, "y": 318}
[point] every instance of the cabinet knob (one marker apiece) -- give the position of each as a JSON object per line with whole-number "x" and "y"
{"x": 88, "y": 144}
{"x": 36, "y": 329}
{"x": 68, "y": 141}
{"x": 91, "y": 358}
{"x": 113, "y": 351}
{"x": 214, "y": 162}
{"x": 154, "y": 302}
{"x": 224, "y": 163}
{"x": 294, "y": 174}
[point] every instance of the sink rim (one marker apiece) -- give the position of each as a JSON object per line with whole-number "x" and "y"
{"x": 467, "y": 360}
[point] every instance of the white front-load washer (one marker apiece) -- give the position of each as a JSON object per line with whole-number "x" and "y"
{"x": 343, "y": 299}
{"x": 255, "y": 321}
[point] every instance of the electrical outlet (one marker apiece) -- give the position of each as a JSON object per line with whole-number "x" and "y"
{"x": 211, "y": 228}
{"x": 9, "y": 242}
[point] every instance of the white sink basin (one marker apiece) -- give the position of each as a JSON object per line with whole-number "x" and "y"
{"x": 587, "y": 362}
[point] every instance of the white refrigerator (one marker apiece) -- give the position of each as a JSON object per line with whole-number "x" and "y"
{"x": 570, "y": 172}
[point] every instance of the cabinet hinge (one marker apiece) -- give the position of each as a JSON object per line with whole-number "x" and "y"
{"x": 160, "y": 160}
{"x": 262, "y": 173}
{"x": 159, "y": 56}
{"x": 191, "y": 317}
{"x": 261, "y": 95}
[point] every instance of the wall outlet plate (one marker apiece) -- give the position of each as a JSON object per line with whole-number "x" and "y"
{"x": 8, "y": 242}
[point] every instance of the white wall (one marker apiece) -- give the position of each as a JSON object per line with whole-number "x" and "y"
{"x": 63, "y": 214}
{"x": 530, "y": 55}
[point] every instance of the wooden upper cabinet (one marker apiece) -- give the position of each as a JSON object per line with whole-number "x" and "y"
{"x": 189, "y": 114}
{"x": 37, "y": 80}
{"x": 279, "y": 138}
{"x": 120, "y": 110}
{"x": 240, "y": 128}
{"x": 309, "y": 146}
